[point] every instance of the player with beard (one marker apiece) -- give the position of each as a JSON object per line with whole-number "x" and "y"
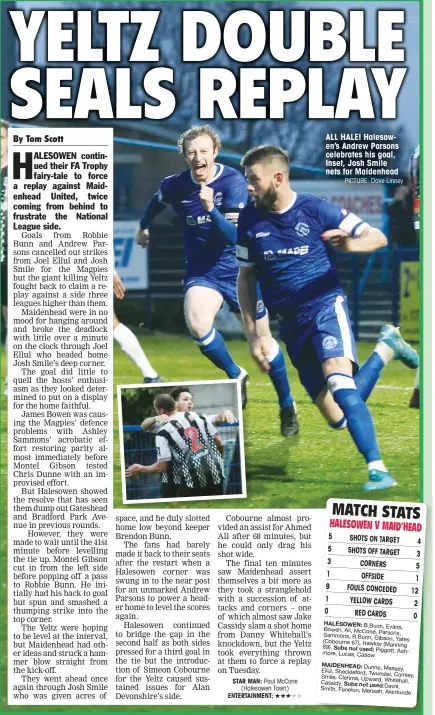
{"x": 285, "y": 242}
{"x": 4, "y": 230}
{"x": 208, "y": 198}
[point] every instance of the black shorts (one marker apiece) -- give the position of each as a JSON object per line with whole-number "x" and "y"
{"x": 4, "y": 284}
{"x": 169, "y": 491}
{"x": 211, "y": 490}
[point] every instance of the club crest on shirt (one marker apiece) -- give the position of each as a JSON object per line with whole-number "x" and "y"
{"x": 217, "y": 198}
{"x": 329, "y": 343}
{"x": 302, "y": 229}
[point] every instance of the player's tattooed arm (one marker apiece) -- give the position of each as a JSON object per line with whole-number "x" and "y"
{"x": 368, "y": 240}
{"x": 247, "y": 293}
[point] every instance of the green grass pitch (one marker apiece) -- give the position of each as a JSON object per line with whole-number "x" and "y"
{"x": 318, "y": 464}
{"x": 281, "y": 473}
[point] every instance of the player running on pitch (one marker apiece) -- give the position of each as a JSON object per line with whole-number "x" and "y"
{"x": 208, "y": 198}
{"x": 284, "y": 242}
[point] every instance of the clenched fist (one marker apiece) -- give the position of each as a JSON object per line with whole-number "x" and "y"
{"x": 206, "y": 196}
{"x": 143, "y": 237}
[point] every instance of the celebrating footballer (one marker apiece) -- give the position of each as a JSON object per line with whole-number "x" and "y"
{"x": 286, "y": 243}
{"x": 208, "y": 198}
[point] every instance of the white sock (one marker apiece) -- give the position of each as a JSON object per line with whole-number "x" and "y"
{"x": 129, "y": 343}
{"x": 417, "y": 379}
{"x": 378, "y": 464}
{"x": 274, "y": 350}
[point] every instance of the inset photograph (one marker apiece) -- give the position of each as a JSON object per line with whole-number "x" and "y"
{"x": 181, "y": 441}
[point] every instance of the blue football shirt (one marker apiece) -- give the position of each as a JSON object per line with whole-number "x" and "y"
{"x": 294, "y": 266}
{"x": 205, "y": 249}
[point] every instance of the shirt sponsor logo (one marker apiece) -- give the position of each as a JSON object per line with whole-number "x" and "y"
{"x": 186, "y": 201}
{"x": 329, "y": 343}
{"x": 200, "y": 220}
{"x": 296, "y": 251}
{"x": 262, "y": 235}
{"x": 302, "y": 229}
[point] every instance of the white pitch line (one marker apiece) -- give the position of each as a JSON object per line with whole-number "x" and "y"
{"x": 269, "y": 384}
{"x": 377, "y": 387}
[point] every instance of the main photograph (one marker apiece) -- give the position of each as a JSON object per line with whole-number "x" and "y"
{"x": 281, "y": 251}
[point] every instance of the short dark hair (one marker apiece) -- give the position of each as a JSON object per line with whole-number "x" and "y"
{"x": 176, "y": 392}
{"x": 265, "y": 154}
{"x": 204, "y": 130}
{"x": 164, "y": 402}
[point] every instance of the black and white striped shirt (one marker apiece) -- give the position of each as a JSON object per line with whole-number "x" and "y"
{"x": 187, "y": 441}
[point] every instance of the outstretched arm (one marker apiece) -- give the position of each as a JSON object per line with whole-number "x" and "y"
{"x": 150, "y": 422}
{"x": 225, "y": 416}
{"x": 157, "y": 468}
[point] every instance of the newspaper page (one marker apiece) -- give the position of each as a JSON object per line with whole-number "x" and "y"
{"x": 216, "y": 463}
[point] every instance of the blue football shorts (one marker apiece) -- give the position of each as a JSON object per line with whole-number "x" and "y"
{"x": 227, "y": 289}
{"x": 316, "y": 334}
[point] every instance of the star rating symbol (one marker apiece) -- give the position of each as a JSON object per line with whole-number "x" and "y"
{"x": 283, "y": 695}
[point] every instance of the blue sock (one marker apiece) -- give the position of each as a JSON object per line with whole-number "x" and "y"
{"x": 278, "y": 375}
{"x": 368, "y": 375}
{"x": 359, "y": 419}
{"x": 212, "y": 345}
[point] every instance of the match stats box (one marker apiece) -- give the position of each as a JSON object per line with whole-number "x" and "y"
{"x": 370, "y": 619}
